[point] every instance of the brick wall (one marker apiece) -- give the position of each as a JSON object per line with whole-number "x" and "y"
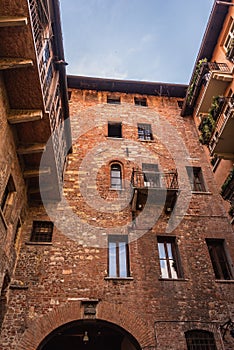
{"x": 13, "y": 213}
{"x": 55, "y": 278}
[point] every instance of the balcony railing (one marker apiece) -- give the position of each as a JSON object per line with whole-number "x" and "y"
{"x": 227, "y": 190}
{"x": 201, "y": 77}
{"x": 40, "y": 19}
{"x": 160, "y": 189}
{"x": 223, "y": 130}
{"x": 155, "y": 180}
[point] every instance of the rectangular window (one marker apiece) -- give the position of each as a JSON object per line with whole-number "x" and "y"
{"x": 196, "y": 179}
{"x": 218, "y": 257}
{"x": 144, "y": 132}
{"x": 230, "y": 35}
{"x": 114, "y": 129}
{"x": 118, "y": 256}
{"x": 7, "y": 194}
{"x": 151, "y": 175}
{"x": 169, "y": 258}
{"x": 140, "y": 101}
{"x": 42, "y": 231}
{"x": 113, "y": 100}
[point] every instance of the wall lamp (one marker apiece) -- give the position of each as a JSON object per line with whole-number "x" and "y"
{"x": 227, "y": 326}
{"x": 85, "y": 337}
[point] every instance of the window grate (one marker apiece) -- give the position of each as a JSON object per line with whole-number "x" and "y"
{"x": 200, "y": 340}
{"x": 42, "y": 231}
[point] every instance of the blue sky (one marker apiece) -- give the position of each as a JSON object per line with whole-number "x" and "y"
{"x": 150, "y": 40}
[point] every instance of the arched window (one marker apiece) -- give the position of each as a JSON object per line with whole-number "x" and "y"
{"x": 200, "y": 340}
{"x": 116, "y": 176}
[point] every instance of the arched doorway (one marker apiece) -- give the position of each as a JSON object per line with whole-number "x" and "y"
{"x": 89, "y": 335}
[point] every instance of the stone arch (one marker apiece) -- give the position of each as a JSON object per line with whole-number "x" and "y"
{"x": 133, "y": 323}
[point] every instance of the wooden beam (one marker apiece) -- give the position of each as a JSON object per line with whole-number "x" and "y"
{"x": 29, "y": 149}
{"x": 9, "y": 21}
{"x": 14, "y": 62}
{"x": 16, "y": 116}
{"x": 35, "y": 190}
{"x": 36, "y": 172}
{"x": 226, "y": 156}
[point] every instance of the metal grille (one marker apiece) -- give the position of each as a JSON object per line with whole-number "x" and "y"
{"x": 42, "y": 231}
{"x": 200, "y": 340}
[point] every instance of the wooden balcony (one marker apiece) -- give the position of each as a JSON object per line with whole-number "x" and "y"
{"x": 36, "y": 90}
{"x": 154, "y": 188}
{"x": 222, "y": 141}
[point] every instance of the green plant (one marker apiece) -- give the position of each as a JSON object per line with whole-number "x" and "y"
{"x": 216, "y": 106}
{"x": 206, "y": 127}
{"x": 227, "y": 181}
{"x": 194, "y": 80}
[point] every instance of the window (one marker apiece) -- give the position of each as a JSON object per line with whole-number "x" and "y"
{"x": 6, "y": 197}
{"x": 196, "y": 179}
{"x": 200, "y": 340}
{"x": 145, "y": 132}
{"x": 151, "y": 175}
{"x": 169, "y": 258}
{"x": 114, "y": 129}
{"x": 42, "y": 231}
{"x": 180, "y": 104}
{"x": 116, "y": 176}
{"x": 230, "y": 35}
{"x": 3, "y": 298}
{"x": 113, "y": 100}
{"x": 118, "y": 256}
{"x": 140, "y": 101}
{"x": 218, "y": 256}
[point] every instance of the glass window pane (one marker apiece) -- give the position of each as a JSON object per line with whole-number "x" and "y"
{"x": 169, "y": 251}
{"x": 122, "y": 259}
{"x": 161, "y": 249}
{"x": 115, "y": 173}
{"x": 112, "y": 259}
{"x": 173, "y": 269}
{"x": 163, "y": 266}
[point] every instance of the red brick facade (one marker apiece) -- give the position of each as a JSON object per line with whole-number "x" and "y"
{"x": 56, "y": 279}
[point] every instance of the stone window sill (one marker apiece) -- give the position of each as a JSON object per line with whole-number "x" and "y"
{"x": 118, "y": 278}
{"x": 224, "y": 281}
{"x": 173, "y": 279}
{"x": 203, "y": 192}
{"x": 38, "y": 243}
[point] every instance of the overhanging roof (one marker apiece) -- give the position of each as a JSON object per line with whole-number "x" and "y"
{"x": 127, "y": 86}
{"x": 210, "y": 38}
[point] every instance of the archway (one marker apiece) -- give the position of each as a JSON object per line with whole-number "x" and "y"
{"x": 89, "y": 335}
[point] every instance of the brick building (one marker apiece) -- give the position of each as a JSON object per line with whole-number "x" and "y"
{"x": 129, "y": 246}
{"x": 33, "y": 105}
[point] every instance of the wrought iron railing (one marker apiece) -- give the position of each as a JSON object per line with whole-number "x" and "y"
{"x": 225, "y": 112}
{"x": 168, "y": 180}
{"x": 202, "y": 76}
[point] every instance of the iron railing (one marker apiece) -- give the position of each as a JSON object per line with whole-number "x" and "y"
{"x": 157, "y": 180}
{"x": 202, "y": 76}
{"x": 225, "y": 112}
